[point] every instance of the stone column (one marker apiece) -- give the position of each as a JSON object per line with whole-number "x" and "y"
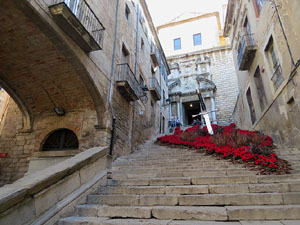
{"x": 213, "y": 108}
{"x": 178, "y": 110}
{"x": 170, "y": 111}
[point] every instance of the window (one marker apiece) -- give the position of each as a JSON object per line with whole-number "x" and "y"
{"x": 125, "y": 55}
{"x": 277, "y": 77}
{"x": 251, "y": 106}
{"x": 260, "y": 89}
{"x": 258, "y": 4}
{"x": 127, "y": 12}
{"x": 197, "y": 39}
{"x": 62, "y": 139}
{"x": 142, "y": 43}
{"x": 177, "y": 44}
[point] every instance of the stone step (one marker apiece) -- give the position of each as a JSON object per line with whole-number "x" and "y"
{"x": 170, "y": 162}
{"x": 182, "y": 174}
{"x": 205, "y": 180}
{"x": 107, "y": 221}
{"x": 203, "y": 189}
{"x": 231, "y": 213}
{"x": 150, "y": 181}
{"x": 197, "y": 200}
{"x": 282, "y": 212}
{"x": 158, "y": 212}
{"x": 184, "y": 190}
{"x": 180, "y": 168}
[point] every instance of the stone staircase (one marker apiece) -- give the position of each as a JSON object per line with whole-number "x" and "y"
{"x": 161, "y": 185}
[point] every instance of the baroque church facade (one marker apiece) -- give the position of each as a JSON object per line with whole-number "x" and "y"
{"x": 199, "y": 58}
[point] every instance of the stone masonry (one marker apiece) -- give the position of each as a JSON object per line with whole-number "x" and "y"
{"x": 42, "y": 68}
{"x": 163, "y": 185}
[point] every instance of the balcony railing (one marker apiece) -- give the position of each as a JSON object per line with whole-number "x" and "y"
{"x": 155, "y": 88}
{"x": 127, "y": 83}
{"x": 246, "y": 52}
{"x": 79, "y": 21}
{"x": 277, "y": 77}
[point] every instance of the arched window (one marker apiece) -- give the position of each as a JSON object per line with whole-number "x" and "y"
{"x": 62, "y": 139}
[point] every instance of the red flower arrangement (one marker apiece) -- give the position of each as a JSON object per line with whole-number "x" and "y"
{"x": 250, "y": 147}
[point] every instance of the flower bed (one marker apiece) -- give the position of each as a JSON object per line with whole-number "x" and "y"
{"x": 252, "y": 148}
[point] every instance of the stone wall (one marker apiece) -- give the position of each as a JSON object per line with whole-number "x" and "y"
{"x": 224, "y": 76}
{"x": 48, "y": 69}
{"x": 277, "y": 114}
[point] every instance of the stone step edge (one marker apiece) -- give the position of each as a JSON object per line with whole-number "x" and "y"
{"x": 252, "y": 179}
{"x": 108, "y": 221}
{"x": 290, "y": 187}
{"x": 222, "y": 213}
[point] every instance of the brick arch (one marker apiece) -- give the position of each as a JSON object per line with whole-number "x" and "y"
{"x": 27, "y": 116}
{"x": 40, "y": 69}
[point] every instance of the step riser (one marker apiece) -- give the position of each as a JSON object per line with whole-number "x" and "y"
{"x": 184, "y": 174}
{"x": 196, "y": 200}
{"x": 204, "y": 189}
{"x": 228, "y": 213}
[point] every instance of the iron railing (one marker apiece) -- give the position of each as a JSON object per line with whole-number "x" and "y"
{"x": 86, "y": 17}
{"x": 247, "y": 40}
{"x": 126, "y": 74}
{"x": 277, "y": 77}
{"x": 155, "y": 85}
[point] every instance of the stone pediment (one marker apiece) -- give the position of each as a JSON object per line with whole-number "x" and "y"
{"x": 206, "y": 84}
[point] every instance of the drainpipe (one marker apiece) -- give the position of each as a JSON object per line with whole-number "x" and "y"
{"x": 135, "y": 73}
{"x": 112, "y": 76}
{"x": 161, "y": 91}
{"x": 283, "y": 32}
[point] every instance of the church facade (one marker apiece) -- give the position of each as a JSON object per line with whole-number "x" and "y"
{"x": 199, "y": 58}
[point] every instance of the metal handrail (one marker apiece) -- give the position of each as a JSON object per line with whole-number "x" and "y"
{"x": 247, "y": 40}
{"x": 126, "y": 74}
{"x": 86, "y": 16}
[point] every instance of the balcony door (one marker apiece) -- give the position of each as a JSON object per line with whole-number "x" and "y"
{"x": 125, "y": 55}
{"x": 247, "y": 32}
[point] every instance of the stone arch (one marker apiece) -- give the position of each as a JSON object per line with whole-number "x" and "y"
{"x": 25, "y": 110}
{"x": 39, "y": 33}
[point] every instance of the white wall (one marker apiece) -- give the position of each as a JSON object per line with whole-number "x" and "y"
{"x": 208, "y": 28}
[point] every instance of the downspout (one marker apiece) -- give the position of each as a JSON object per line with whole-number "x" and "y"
{"x": 135, "y": 74}
{"x": 283, "y": 32}
{"x": 161, "y": 91}
{"x": 112, "y": 76}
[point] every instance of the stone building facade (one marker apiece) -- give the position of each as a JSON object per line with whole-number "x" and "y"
{"x": 265, "y": 42}
{"x": 203, "y": 58}
{"x": 72, "y": 68}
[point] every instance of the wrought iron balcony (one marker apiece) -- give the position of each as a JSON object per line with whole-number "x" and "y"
{"x": 155, "y": 89}
{"x": 127, "y": 83}
{"x": 79, "y": 21}
{"x": 246, "y": 52}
